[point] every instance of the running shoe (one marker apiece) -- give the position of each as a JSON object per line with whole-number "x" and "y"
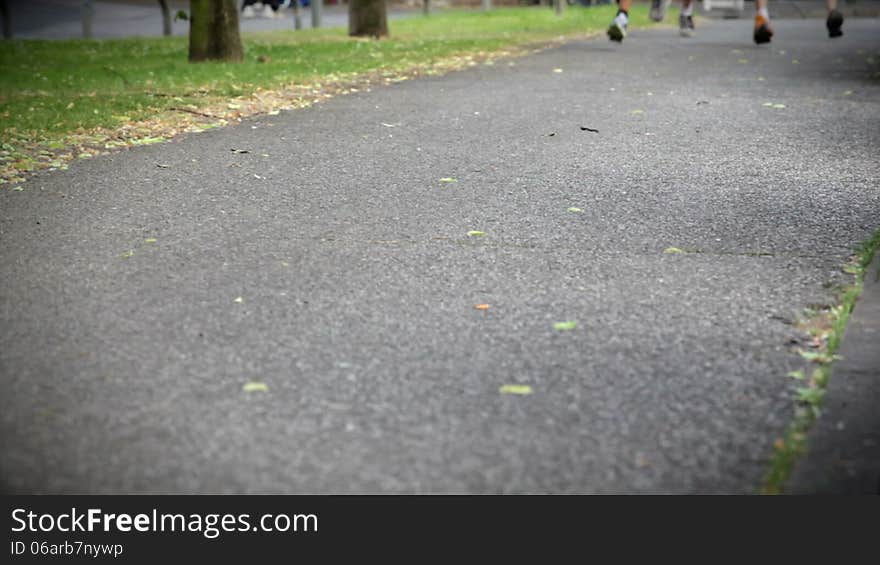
{"x": 686, "y": 25}
{"x": 763, "y": 31}
{"x": 834, "y": 23}
{"x": 617, "y": 30}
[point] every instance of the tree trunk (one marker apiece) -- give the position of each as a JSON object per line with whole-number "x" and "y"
{"x": 88, "y": 13}
{"x": 213, "y": 31}
{"x": 426, "y": 7}
{"x": 166, "y": 17}
{"x": 367, "y": 18}
{"x": 558, "y": 6}
{"x": 317, "y": 9}
{"x": 297, "y": 17}
{"x": 487, "y": 5}
{"x": 7, "y": 21}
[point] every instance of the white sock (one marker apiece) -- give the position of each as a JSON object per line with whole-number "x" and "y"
{"x": 763, "y": 12}
{"x": 688, "y": 10}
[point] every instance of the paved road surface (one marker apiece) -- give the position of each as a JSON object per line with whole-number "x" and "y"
{"x": 358, "y": 280}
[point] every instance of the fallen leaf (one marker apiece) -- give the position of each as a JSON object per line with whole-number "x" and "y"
{"x": 847, "y": 93}
{"x": 515, "y": 389}
{"x": 779, "y": 106}
{"x": 779, "y": 444}
{"x": 742, "y": 61}
{"x": 476, "y": 233}
{"x": 557, "y": 70}
{"x": 17, "y": 189}
{"x": 255, "y": 387}
{"x": 448, "y": 179}
{"x": 232, "y": 106}
{"x": 239, "y": 300}
{"x": 390, "y": 125}
{"x": 799, "y": 375}
{"x": 564, "y": 326}
{"x": 239, "y": 150}
{"x": 163, "y": 166}
{"x": 573, "y": 209}
{"x": 148, "y": 141}
{"x": 127, "y": 254}
{"x": 673, "y": 250}
{"x": 150, "y": 240}
{"x": 482, "y": 306}
{"x": 636, "y": 112}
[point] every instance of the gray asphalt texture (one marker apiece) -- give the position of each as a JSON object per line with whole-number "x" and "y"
{"x": 358, "y": 279}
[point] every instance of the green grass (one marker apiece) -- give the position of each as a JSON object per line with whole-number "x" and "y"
{"x": 49, "y": 88}
{"x": 808, "y": 399}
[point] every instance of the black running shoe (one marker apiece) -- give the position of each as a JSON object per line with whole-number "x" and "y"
{"x": 834, "y": 23}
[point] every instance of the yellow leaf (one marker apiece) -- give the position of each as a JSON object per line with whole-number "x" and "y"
{"x": 255, "y": 387}
{"x": 515, "y": 389}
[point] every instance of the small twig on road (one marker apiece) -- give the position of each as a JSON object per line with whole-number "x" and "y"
{"x": 196, "y": 112}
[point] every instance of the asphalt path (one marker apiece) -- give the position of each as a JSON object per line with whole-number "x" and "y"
{"x": 332, "y": 264}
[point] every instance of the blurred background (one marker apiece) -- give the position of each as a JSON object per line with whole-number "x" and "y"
{"x": 62, "y": 19}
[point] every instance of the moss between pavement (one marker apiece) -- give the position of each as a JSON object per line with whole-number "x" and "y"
{"x": 826, "y": 328}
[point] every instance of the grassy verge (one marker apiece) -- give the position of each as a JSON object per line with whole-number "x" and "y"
{"x": 61, "y": 100}
{"x": 826, "y": 327}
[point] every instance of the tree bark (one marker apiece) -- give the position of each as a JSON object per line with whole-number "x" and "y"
{"x": 558, "y": 6}
{"x": 7, "y": 20}
{"x": 88, "y": 13}
{"x": 426, "y": 7}
{"x": 317, "y": 10}
{"x": 487, "y": 5}
{"x": 213, "y": 31}
{"x": 166, "y": 17}
{"x": 297, "y": 17}
{"x": 367, "y": 18}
